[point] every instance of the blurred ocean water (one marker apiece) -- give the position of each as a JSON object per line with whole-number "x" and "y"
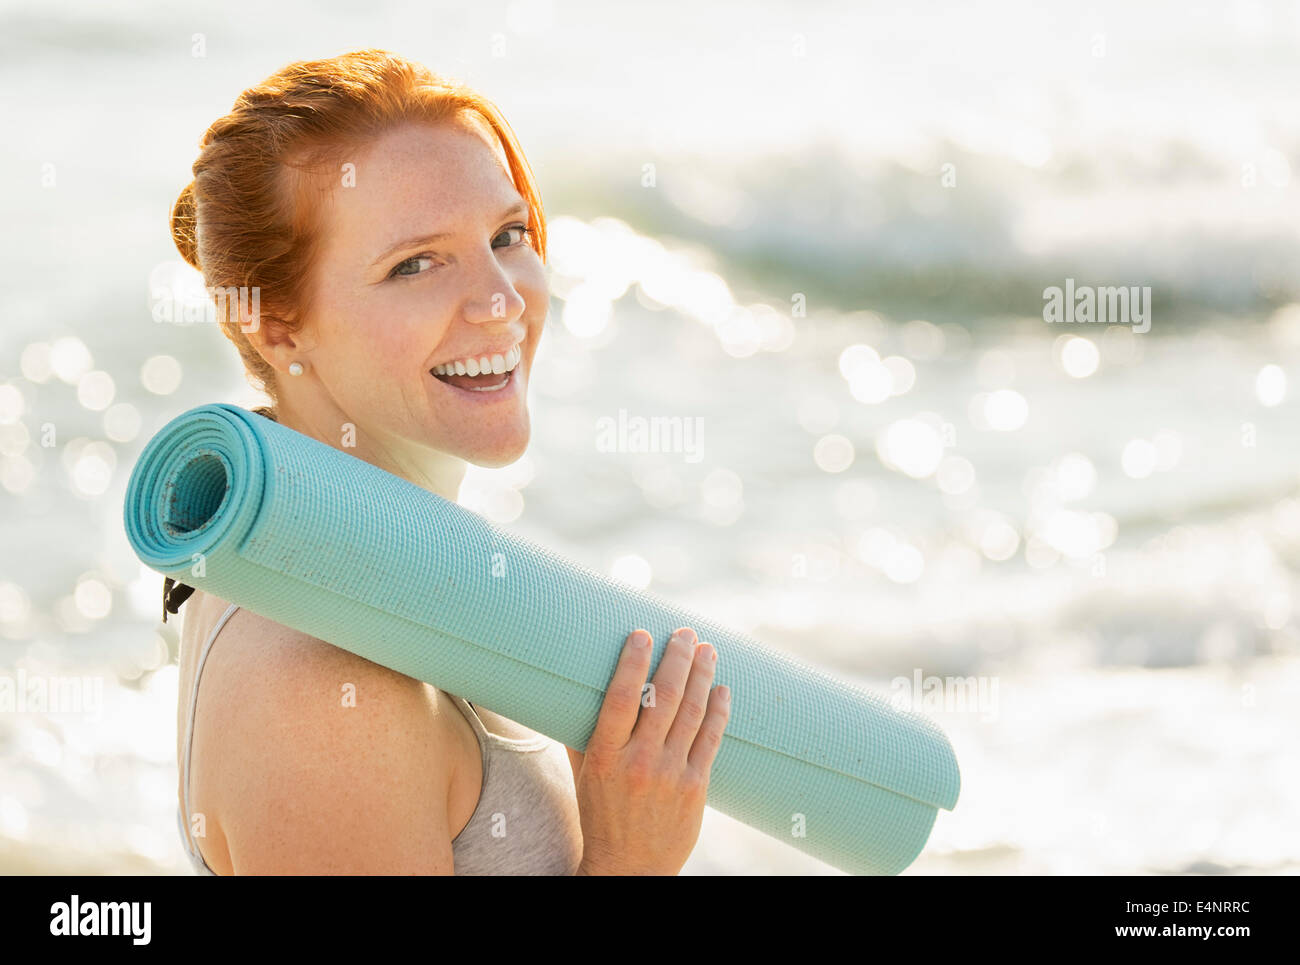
{"x": 903, "y": 472}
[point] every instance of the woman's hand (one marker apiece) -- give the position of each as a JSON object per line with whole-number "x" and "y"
{"x": 644, "y": 777}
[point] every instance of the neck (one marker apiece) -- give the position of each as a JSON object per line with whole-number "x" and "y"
{"x": 428, "y": 468}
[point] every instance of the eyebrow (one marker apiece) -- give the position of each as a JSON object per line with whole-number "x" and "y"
{"x": 519, "y": 207}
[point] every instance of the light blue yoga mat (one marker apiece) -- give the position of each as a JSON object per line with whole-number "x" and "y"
{"x": 312, "y": 537}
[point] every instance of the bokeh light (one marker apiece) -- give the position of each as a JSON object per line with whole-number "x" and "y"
{"x": 36, "y": 362}
{"x": 70, "y": 359}
{"x": 95, "y": 390}
{"x": 1139, "y": 459}
{"x": 722, "y": 493}
{"x": 90, "y": 465}
{"x": 161, "y": 374}
{"x": 11, "y": 404}
{"x": 1079, "y": 357}
{"x": 93, "y": 598}
{"x": 956, "y": 475}
{"x": 1076, "y": 477}
{"x": 1005, "y": 410}
{"x": 911, "y": 446}
{"x": 122, "y": 422}
{"x": 833, "y": 453}
{"x": 1270, "y": 385}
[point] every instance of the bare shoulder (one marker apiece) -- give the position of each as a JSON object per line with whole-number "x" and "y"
{"x": 317, "y": 761}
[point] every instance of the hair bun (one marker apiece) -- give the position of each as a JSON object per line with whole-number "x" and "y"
{"x": 185, "y": 225}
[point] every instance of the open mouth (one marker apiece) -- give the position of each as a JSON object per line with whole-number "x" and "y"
{"x": 492, "y": 382}
{"x": 488, "y": 373}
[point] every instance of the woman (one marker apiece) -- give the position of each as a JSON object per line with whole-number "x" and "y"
{"x": 395, "y": 237}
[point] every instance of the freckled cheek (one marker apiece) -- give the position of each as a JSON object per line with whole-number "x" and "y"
{"x": 390, "y": 340}
{"x": 399, "y": 349}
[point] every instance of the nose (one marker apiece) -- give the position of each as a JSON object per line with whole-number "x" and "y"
{"x": 491, "y": 295}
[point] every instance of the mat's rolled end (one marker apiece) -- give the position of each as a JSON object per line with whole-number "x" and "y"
{"x": 189, "y": 492}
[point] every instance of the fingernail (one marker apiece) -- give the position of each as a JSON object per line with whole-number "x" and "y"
{"x": 640, "y": 639}
{"x": 724, "y": 694}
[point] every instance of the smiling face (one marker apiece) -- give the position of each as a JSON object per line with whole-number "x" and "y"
{"x": 424, "y": 262}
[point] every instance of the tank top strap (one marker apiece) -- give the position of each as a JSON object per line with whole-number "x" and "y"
{"x": 189, "y": 729}
{"x": 470, "y": 713}
{"x": 490, "y": 739}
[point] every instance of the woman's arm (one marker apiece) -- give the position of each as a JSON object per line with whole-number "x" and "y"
{"x": 305, "y": 783}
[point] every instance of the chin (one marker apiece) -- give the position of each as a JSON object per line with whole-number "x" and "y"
{"x": 497, "y": 456}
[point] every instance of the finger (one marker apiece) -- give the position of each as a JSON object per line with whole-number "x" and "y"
{"x": 709, "y": 739}
{"x": 622, "y": 703}
{"x": 695, "y": 702}
{"x": 660, "y": 706}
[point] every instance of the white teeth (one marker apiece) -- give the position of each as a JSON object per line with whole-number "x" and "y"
{"x": 496, "y": 364}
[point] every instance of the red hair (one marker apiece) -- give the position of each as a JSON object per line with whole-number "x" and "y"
{"x": 245, "y": 220}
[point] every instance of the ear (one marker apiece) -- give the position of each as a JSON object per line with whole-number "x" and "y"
{"x": 273, "y": 341}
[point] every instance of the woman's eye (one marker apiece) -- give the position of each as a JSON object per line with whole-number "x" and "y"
{"x": 524, "y": 232}
{"x": 409, "y": 263}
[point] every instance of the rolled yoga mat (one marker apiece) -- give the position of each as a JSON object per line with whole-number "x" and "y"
{"x": 312, "y": 537}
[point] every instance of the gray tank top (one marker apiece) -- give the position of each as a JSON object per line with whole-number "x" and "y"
{"x": 526, "y": 819}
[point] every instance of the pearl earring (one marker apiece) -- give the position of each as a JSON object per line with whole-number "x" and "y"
{"x": 295, "y": 368}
